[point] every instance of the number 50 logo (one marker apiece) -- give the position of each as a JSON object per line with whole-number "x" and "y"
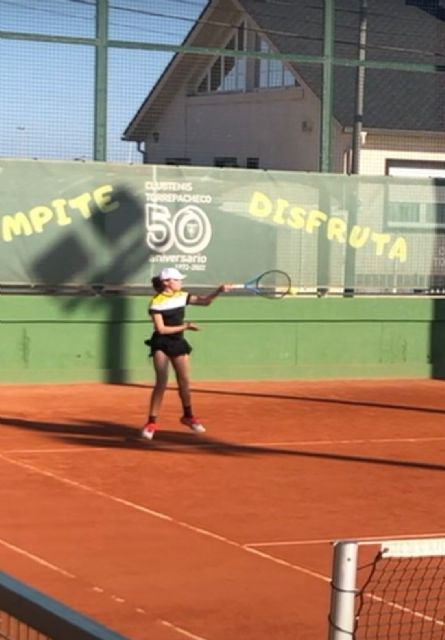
{"x": 188, "y": 229}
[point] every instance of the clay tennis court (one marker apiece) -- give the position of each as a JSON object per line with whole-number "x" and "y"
{"x": 226, "y": 535}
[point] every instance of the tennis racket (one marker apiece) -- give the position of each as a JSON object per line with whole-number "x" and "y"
{"x": 273, "y": 284}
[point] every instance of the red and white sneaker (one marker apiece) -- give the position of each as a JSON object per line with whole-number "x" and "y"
{"x": 148, "y": 431}
{"x": 193, "y": 424}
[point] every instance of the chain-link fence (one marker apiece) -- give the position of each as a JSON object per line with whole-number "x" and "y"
{"x": 319, "y": 86}
{"x": 307, "y": 85}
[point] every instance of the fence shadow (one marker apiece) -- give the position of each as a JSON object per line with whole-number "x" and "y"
{"x": 119, "y": 436}
{"x": 437, "y": 340}
{"x": 102, "y": 258}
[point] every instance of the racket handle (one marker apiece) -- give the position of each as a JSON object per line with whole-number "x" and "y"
{"x": 237, "y": 286}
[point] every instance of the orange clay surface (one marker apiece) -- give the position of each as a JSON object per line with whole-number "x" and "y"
{"x": 216, "y": 537}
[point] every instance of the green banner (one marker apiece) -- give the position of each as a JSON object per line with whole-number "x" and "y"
{"x": 75, "y": 223}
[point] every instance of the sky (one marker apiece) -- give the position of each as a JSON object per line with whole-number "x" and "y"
{"x": 47, "y": 88}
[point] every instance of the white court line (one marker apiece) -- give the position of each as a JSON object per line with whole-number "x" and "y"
{"x": 247, "y": 547}
{"x": 285, "y": 543}
{"x": 165, "y": 517}
{"x": 293, "y": 443}
{"x": 185, "y": 525}
{"x": 37, "y": 559}
{"x": 302, "y": 443}
{"x": 53, "y": 567}
{"x": 59, "y": 450}
{"x": 182, "y": 631}
{"x": 399, "y": 607}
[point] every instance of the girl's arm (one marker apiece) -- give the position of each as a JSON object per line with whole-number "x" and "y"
{"x": 161, "y": 328}
{"x": 204, "y": 301}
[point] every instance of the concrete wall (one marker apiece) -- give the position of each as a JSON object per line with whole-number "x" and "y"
{"x": 67, "y": 339}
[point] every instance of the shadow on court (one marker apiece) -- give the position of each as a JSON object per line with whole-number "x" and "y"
{"x": 357, "y": 403}
{"x": 316, "y": 399}
{"x": 92, "y": 428}
{"x": 115, "y": 436}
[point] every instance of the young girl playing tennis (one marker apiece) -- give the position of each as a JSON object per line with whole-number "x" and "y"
{"x": 168, "y": 345}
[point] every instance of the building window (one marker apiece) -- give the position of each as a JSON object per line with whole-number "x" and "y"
{"x": 203, "y": 86}
{"x": 270, "y": 72}
{"x": 223, "y": 161}
{"x": 420, "y": 203}
{"x": 252, "y": 163}
{"x": 215, "y": 75}
{"x": 227, "y": 73}
{"x": 177, "y": 161}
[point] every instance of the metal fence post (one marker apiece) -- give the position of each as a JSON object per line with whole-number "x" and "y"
{"x": 343, "y": 591}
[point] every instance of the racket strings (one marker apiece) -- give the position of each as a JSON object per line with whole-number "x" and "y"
{"x": 273, "y": 284}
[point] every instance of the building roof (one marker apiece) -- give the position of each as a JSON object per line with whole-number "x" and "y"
{"x": 397, "y": 31}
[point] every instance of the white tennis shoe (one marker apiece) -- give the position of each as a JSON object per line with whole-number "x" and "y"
{"x": 148, "y": 431}
{"x": 193, "y": 424}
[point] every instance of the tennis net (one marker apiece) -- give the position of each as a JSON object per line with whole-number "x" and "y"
{"x": 27, "y": 614}
{"x": 388, "y": 590}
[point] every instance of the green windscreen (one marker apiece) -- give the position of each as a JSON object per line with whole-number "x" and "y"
{"x": 71, "y": 224}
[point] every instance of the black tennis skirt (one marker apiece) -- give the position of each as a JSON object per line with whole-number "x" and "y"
{"x": 172, "y": 346}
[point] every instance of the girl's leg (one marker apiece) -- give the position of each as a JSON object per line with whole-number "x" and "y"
{"x": 181, "y": 365}
{"x": 160, "y": 363}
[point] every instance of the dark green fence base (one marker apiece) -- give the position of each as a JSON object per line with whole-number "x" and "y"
{"x": 46, "y": 339}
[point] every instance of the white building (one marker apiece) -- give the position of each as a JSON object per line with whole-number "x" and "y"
{"x": 255, "y": 112}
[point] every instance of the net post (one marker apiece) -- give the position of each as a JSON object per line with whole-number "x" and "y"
{"x": 343, "y": 591}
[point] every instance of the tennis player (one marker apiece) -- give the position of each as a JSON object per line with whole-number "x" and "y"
{"x": 168, "y": 345}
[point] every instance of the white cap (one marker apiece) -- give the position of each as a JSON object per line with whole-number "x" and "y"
{"x": 170, "y": 273}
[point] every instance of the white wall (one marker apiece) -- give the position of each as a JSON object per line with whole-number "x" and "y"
{"x": 380, "y": 147}
{"x": 280, "y": 127}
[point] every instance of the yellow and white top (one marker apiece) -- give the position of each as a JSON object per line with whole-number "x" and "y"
{"x": 171, "y": 306}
